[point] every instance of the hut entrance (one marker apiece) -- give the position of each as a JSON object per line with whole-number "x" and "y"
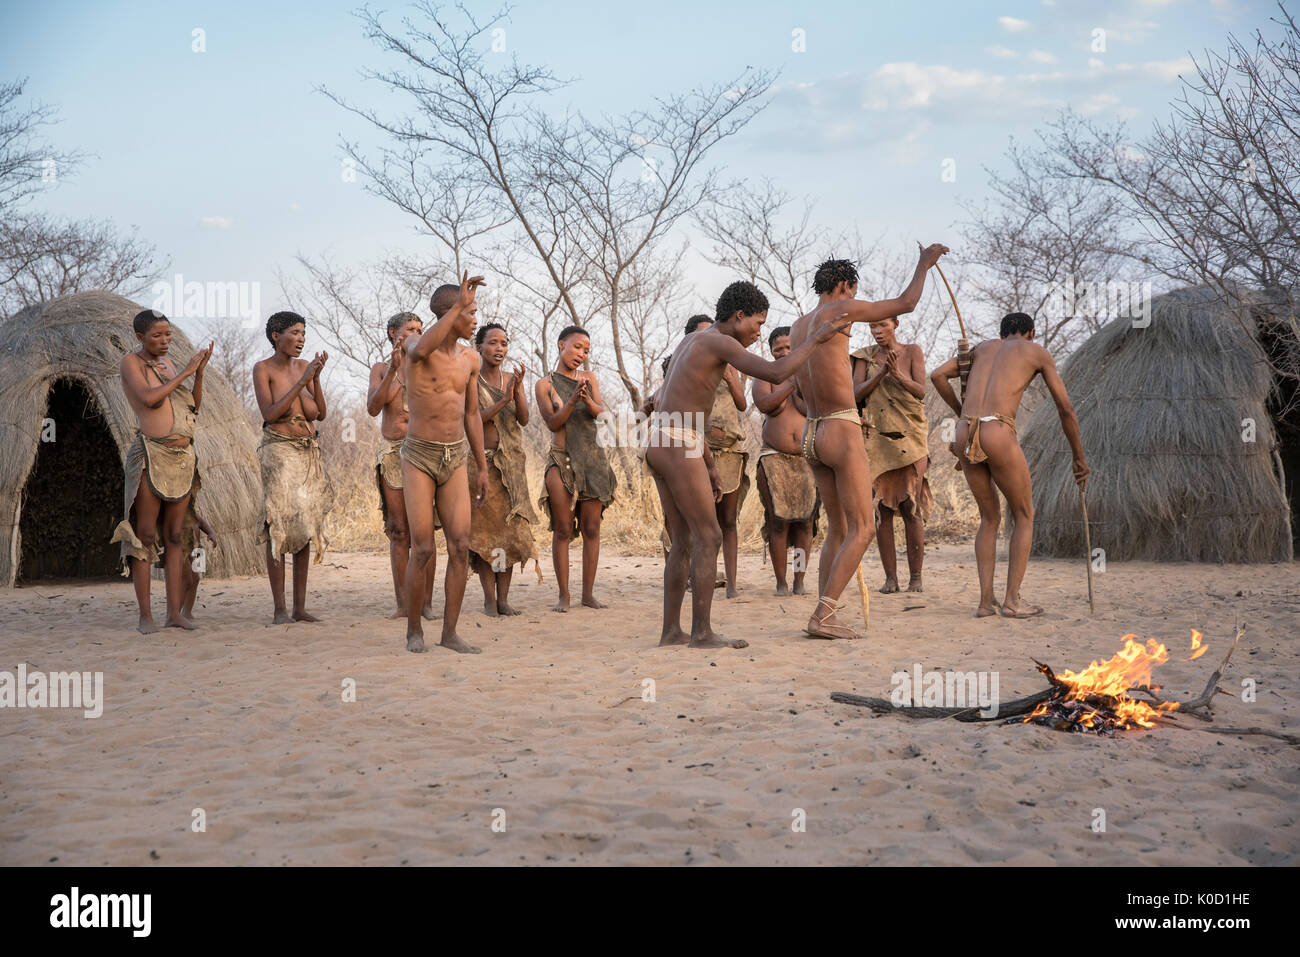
{"x": 73, "y": 498}
{"x": 1279, "y": 342}
{"x": 1287, "y": 426}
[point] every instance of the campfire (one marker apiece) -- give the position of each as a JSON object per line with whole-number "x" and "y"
{"x": 1097, "y": 699}
{"x": 1104, "y": 698}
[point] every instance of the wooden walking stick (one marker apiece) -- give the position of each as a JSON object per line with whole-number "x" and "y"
{"x": 1087, "y": 543}
{"x": 866, "y": 600}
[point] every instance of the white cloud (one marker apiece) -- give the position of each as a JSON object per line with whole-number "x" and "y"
{"x": 1169, "y": 69}
{"x": 1042, "y": 56}
{"x": 908, "y": 85}
{"x": 1002, "y": 53}
{"x": 1097, "y": 103}
{"x": 217, "y": 222}
{"x": 901, "y": 107}
{"x": 1012, "y": 25}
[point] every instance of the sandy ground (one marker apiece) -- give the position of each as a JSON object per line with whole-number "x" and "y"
{"x": 547, "y": 730}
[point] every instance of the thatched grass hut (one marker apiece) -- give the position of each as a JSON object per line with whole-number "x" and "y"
{"x": 60, "y": 500}
{"x": 1177, "y": 427}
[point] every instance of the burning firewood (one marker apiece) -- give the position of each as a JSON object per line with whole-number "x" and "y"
{"x": 1098, "y": 700}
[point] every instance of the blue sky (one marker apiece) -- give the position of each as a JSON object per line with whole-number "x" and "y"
{"x": 229, "y": 162}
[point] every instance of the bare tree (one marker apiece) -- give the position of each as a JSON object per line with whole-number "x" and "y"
{"x": 27, "y": 162}
{"x": 42, "y": 257}
{"x": 655, "y": 304}
{"x": 1044, "y": 245}
{"x": 633, "y": 179}
{"x": 755, "y": 236}
{"x": 451, "y": 203}
{"x": 1217, "y": 186}
{"x": 351, "y": 307}
{"x": 234, "y": 345}
{"x": 476, "y": 118}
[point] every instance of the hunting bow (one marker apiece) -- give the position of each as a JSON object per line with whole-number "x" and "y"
{"x": 963, "y": 344}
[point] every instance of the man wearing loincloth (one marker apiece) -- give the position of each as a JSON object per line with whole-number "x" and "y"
{"x": 725, "y": 437}
{"x": 387, "y": 398}
{"x": 889, "y": 380}
{"x": 724, "y": 508}
{"x": 161, "y": 467}
{"x": 579, "y": 482}
{"x": 832, "y": 436}
{"x": 297, "y": 495}
{"x": 443, "y": 432}
{"x": 687, "y": 479}
{"x": 988, "y": 451}
{"x": 784, "y": 478}
{"x": 501, "y": 530}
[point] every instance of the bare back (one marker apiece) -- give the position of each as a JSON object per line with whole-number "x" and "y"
{"x": 1001, "y": 370}
{"x": 826, "y": 380}
{"x": 435, "y": 392}
{"x": 693, "y": 376}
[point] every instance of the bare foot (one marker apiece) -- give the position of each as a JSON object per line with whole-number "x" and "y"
{"x": 180, "y": 621}
{"x": 914, "y": 584}
{"x": 591, "y": 602}
{"x": 782, "y": 588}
{"x": 398, "y": 612}
{"x": 712, "y": 640}
{"x": 490, "y": 608}
{"x": 147, "y": 626}
{"x": 506, "y": 609}
{"x": 428, "y": 614}
{"x": 456, "y": 644}
{"x": 799, "y": 588}
{"x": 731, "y": 591}
{"x": 282, "y": 617}
{"x": 561, "y": 604}
{"x": 986, "y": 611}
{"x": 415, "y": 642}
{"x": 891, "y": 586}
{"x": 304, "y": 616}
{"x": 1025, "y": 611}
{"x": 674, "y": 636}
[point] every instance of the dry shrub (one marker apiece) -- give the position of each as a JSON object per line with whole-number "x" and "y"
{"x": 632, "y": 525}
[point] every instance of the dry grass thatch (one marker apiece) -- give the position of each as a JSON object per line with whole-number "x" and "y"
{"x": 1161, "y": 411}
{"x": 81, "y": 338}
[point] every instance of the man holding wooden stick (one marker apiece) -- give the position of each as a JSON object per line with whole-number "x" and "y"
{"x": 989, "y": 452}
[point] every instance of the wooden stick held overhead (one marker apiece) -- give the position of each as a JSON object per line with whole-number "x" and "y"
{"x": 963, "y": 344}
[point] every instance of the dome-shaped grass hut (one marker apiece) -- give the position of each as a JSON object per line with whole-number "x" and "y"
{"x": 1178, "y": 427}
{"x": 65, "y": 426}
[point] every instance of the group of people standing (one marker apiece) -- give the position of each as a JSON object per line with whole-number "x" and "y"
{"x": 452, "y": 455}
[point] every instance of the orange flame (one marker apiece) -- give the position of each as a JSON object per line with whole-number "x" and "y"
{"x": 1129, "y": 668}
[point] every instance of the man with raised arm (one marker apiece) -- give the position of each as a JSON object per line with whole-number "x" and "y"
{"x": 443, "y": 431}
{"x": 832, "y": 436}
